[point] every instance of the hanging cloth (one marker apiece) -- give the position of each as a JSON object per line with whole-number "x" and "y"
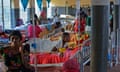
{"x": 24, "y": 3}
{"x": 39, "y": 3}
{"x": 48, "y": 1}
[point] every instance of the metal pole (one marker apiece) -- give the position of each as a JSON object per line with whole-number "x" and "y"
{"x": 10, "y": 12}
{"x": 78, "y": 13}
{"x": 3, "y": 25}
{"x": 78, "y": 16}
{"x": 77, "y": 7}
{"x": 116, "y": 27}
{"x": 99, "y": 38}
{"x": 34, "y": 37}
{"x": 66, "y": 7}
{"x": 119, "y": 36}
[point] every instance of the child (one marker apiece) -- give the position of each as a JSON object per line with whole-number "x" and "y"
{"x": 14, "y": 56}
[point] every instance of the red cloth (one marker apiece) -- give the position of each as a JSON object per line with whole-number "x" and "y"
{"x": 71, "y": 66}
{"x": 54, "y": 58}
{"x": 47, "y": 58}
{"x": 82, "y": 23}
{"x": 37, "y": 31}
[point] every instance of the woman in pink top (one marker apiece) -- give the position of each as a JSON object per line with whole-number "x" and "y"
{"x": 31, "y": 32}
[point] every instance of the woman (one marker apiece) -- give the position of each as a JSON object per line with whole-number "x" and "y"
{"x": 34, "y": 30}
{"x": 13, "y": 56}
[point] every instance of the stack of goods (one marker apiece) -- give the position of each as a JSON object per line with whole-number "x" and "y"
{"x": 81, "y": 38}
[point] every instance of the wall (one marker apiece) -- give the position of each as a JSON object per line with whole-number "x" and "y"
{"x": 70, "y": 2}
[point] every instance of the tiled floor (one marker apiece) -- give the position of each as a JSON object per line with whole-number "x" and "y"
{"x": 49, "y": 69}
{"x": 113, "y": 69}
{"x": 86, "y": 69}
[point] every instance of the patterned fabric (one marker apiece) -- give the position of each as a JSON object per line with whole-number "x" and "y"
{"x": 12, "y": 60}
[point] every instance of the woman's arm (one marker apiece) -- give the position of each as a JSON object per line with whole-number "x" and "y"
{"x": 22, "y": 54}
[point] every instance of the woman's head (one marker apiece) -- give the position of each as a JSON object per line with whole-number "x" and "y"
{"x": 15, "y": 36}
{"x": 66, "y": 37}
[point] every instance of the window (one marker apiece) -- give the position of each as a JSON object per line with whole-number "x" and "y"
{"x": 23, "y": 14}
{"x": 5, "y": 13}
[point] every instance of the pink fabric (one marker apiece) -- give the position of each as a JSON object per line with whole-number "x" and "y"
{"x": 37, "y": 31}
{"x": 71, "y": 66}
{"x": 68, "y": 53}
{"x": 54, "y": 58}
{"x": 82, "y": 25}
{"x": 47, "y": 58}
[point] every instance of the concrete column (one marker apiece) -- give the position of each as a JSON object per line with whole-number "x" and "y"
{"x": 119, "y": 37}
{"x": 116, "y": 27}
{"x": 99, "y": 46}
{"x": 15, "y": 12}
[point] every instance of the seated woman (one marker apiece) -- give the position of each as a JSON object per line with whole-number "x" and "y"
{"x": 14, "y": 59}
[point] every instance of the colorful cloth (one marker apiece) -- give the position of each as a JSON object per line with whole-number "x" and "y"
{"x": 71, "y": 66}
{"x": 12, "y": 60}
{"x": 37, "y": 31}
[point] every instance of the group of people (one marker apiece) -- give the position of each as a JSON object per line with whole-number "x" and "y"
{"x": 83, "y": 21}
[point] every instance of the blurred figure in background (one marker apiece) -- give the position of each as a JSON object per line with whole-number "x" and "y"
{"x": 79, "y": 25}
{"x": 88, "y": 21}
